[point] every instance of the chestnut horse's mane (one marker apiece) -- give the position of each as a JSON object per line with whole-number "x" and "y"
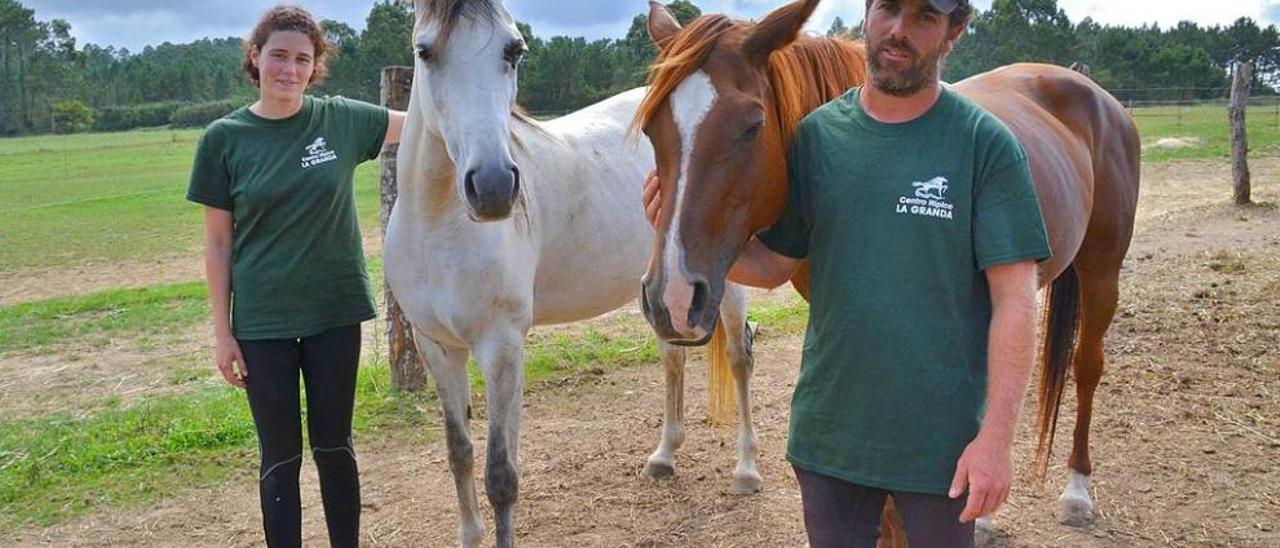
{"x": 804, "y": 75}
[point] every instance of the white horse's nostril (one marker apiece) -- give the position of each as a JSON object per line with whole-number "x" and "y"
{"x": 469, "y": 185}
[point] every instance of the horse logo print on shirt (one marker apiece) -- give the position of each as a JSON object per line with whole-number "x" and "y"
{"x": 933, "y": 189}
{"x": 928, "y": 200}
{"x": 318, "y": 153}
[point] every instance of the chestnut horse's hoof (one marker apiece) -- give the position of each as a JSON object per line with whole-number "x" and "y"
{"x": 1076, "y": 506}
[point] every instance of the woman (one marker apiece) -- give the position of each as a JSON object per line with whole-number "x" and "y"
{"x": 285, "y": 268}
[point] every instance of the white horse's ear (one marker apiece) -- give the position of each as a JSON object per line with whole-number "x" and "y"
{"x": 662, "y": 25}
{"x": 779, "y": 29}
{"x": 419, "y": 6}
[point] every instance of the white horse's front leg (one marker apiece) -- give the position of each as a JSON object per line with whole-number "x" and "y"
{"x": 501, "y": 359}
{"x": 733, "y": 315}
{"x": 662, "y": 463}
{"x": 449, "y": 368}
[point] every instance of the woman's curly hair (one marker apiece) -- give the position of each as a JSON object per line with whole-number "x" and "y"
{"x": 287, "y": 18}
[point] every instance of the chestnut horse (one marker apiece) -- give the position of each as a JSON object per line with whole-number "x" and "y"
{"x": 724, "y": 100}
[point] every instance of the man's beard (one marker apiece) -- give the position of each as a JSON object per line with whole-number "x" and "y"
{"x": 921, "y": 73}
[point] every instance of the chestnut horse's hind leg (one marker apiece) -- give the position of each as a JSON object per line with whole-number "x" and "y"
{"x": 1099, "y": 293}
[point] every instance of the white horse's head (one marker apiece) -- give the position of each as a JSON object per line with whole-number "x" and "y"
{"x": 468, "y": 52}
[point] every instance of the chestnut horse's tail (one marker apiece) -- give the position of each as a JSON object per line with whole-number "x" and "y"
{"x": 1062, "y": 322}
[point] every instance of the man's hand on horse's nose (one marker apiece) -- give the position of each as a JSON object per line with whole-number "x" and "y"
{"x": 652, "y": 198}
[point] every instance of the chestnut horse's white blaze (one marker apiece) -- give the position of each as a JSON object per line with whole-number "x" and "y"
{"x": 690, "y": 103}
{"x": 503, "y": 223}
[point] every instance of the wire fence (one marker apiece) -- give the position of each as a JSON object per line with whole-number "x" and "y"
{"x": 1182, "y": 106}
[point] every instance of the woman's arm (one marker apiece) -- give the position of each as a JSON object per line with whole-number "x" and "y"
{"x": 217, "y": 269}
{"x": 395, "y": 124}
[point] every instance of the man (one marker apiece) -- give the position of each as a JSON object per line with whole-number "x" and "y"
{"x": 917, "y": 213}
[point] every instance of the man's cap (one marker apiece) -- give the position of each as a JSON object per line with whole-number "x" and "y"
{"x": 947, "y": 6}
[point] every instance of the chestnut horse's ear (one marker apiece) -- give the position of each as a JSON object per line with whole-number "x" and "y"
{"x": 778, "y": 29}
{"x": 662, "y": 25}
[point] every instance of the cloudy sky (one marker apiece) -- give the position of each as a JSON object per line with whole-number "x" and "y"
{"x": 134, "y": 24}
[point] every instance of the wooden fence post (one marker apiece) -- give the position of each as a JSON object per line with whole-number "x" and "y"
{"x": 407, "y": 372}
{"x": 1239, "y": 137}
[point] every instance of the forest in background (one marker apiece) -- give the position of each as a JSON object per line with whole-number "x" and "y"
{"x": 49, "y": 83}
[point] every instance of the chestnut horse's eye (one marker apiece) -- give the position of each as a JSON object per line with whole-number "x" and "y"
{"x": 753, "y": 131}
{"x": 424, "y": 53}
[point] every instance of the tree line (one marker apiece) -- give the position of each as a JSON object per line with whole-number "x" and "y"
{"x": 49, "y": 83}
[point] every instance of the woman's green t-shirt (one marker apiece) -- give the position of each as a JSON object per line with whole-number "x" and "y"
{"x": 297, "y": 263}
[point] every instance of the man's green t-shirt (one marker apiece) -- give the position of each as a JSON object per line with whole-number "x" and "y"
{"x": 899, "y": 222}
{"x": 297, "y": 264}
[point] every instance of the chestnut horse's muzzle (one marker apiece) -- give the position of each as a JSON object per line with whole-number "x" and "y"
{"x": 700, "y": 319}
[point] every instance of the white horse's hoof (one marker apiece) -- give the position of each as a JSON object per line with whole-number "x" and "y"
{"x": 745, "y": 484}
{"x": 658, "y": 470}
{"x": 1076, "y": 511}
{"x": 471, "y": 534}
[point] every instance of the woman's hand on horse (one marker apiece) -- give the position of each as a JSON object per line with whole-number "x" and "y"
{"x": 227, "y": 355}
{"x": 652, "y": 198}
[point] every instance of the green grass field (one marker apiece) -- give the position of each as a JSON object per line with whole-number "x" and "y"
{"x": 68, "y": 200}
{"x": 62, "y": 466}
{"x": 91, "y": 320}
{"x": 108, "y": 197}
{"x": 1207, "y": 127}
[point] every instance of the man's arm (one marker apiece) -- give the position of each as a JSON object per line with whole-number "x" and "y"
{"x": 759, "y": 266}
{"x": 986, "y": 467}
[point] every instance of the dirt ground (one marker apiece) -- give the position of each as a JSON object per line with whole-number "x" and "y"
{"x": 1186, "y": 434}
{"x": 33, "y": 284}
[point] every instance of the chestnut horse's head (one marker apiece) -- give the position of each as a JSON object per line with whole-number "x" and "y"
{"x": 725, "y": 97}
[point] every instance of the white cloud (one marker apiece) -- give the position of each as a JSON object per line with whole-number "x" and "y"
{"x": 136, "y": 23}
{"x": 1271, "y": 11}
{"x": 1111, "y": 12}
{"x": 850, "y": 11}
{"x": 145, "y": 28}
{"x": 1167, "y": 14}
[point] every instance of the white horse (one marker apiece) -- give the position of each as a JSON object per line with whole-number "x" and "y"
{"x": 503, "y": 223}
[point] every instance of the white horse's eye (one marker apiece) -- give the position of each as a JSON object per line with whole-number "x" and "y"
{"x": 424, "y": 53}
{"x": 514, "y": 52}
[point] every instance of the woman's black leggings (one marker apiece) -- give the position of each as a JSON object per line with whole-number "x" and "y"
{"x": 328, "y": 363}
